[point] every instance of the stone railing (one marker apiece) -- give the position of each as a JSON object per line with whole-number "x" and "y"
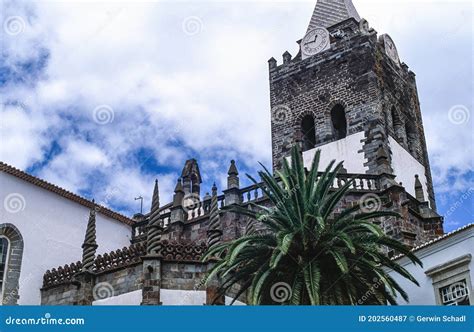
{"x": 361, "y": 182}
{"x": 198, "y": 208}
{"x": 251, "y": 193}
{"x": 61, "y": 275}
{"x": 139, "y": 230}
{"x": 167, "y": 250}
{"x": 119, "y": 258}
{"x": 202, "y": 207}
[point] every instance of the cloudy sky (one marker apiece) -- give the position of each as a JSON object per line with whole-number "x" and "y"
{"x": 103, "y": 97}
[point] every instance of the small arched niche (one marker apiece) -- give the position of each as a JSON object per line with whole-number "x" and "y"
{"x": 308, "y": 132}
{"x": 396, "y": 123}
{"x": 339, "y": 122}
{"x": 411, "y": 136}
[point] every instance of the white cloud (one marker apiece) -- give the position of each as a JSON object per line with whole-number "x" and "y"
{"x": 207, "y": 91}
{"x": 22, "y": 136}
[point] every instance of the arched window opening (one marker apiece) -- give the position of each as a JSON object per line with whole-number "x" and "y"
{"x": 11, "y": 254}
{"x": 308, "y": 133}
{"x": 411, "y": 136}
{"x": 397, "y": 124}
{"x": 4, "y": 248}
{"x": 339, "y": 122}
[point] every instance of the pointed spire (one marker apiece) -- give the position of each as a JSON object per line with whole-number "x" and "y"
{"x": 179, "y": 186}
{"x": 330, "y": 12}
{"x": 155, "y": 201}
{"x": 154, "y": 225}
{"x": 214, "y": 232}
{"x": 419, "y": 195}
{"x": 233, "y": 168}
{"x": 89, "y": 246}
{"x": 233, "y": 176}
{"x": 178, "y": 194}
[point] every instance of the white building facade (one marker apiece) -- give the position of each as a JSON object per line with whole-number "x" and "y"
{"x": 447, "y": 272}
{"x": 42, "y": 225}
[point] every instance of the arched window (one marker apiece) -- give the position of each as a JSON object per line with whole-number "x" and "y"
{"x": 11, "y": 254}
{"x": 4, "y": 249}
{"x": 397, "y": 124}
{"x": 339, "y": 122}
{"x": 411, "y": 136}
{"x": 308, "y": 133}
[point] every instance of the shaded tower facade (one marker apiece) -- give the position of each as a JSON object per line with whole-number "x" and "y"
{"x": 347, "y": 93}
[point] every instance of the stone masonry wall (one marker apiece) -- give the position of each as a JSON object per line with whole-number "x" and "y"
{"x": 357, "y": 74}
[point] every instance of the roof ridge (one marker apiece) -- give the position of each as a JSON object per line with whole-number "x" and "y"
{"x": 4, "y": 167}
{"x": 439, "y": 238}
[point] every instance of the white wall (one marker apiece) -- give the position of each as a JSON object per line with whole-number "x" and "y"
{"x": 53, "y": 230}
{"x": 348, "y": 150}
{"x": 132, "y": 298}
{"x": 405, "y": 167}
{"x": 438, "y": 253}
{"x": 167, "y": 297}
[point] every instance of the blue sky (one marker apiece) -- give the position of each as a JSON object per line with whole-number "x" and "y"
{"x": 103, "y": 97}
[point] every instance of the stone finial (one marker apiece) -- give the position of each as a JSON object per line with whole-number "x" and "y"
{"x": 233, "y": 176}
{"x": 154, "y": 225}
{"x": 328, "y": 13}
{"x": 272, "y": 63}
{"x": 89, "y": 246}
{"x": 419, "y": 195}
{"x": 286, "y": 57}
{"x": 214, "y": 232}
{"x": 178, "y": 194}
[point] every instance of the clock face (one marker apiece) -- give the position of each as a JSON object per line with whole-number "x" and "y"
{"x": 315, "y": 41}
{"x": 391, "y": 49}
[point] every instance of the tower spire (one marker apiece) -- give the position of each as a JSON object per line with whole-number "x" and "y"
{"x": 330, "y": 12}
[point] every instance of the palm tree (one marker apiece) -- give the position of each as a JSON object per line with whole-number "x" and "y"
{"x": 301, "y": 250}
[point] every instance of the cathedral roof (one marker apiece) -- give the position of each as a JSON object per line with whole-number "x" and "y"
{"x": 63, "y": 193}
{"x": 330, "y": 12}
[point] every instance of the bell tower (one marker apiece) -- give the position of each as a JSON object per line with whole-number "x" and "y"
{"x": 348, "y": 94}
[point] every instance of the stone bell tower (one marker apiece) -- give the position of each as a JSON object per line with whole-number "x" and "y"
{"x": 347, "y": 93}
